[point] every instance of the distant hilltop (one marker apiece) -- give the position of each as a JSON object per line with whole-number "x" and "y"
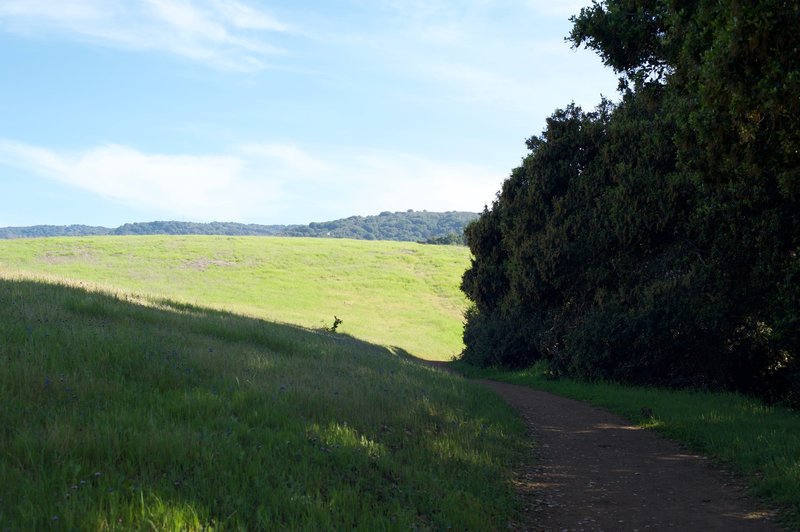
{"x": 414, "y": 226}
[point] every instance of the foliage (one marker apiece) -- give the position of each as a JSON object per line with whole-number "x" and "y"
{"x": 123, "y": 412}
{"x": 656, "y": 241}
{"x": 412, "y": 226}
{"x": 450, "y": 239}
{"x": 39, "y": 231}
{"x": 759, "y": 442}
{"x": 415, "y": 226}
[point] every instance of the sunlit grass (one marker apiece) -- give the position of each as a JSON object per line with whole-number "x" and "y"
{"x": 760, "y": 442}
{"x": 124, "y": 412}
{"x": 390, "y": 293}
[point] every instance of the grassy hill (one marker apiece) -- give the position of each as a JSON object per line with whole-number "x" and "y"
{"x": 146, "y": 385}
{"x": 123, "y": 413}
{"x": 397, "y": 294}
{"x": 172, "y": 400}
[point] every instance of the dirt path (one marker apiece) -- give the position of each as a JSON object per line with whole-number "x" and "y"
{"x": 592, "y": 470}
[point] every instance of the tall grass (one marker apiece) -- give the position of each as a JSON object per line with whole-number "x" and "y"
{"x": 390, "y": 293}
{"x": 121, "y": 412}
{"x": 759, "y": 442}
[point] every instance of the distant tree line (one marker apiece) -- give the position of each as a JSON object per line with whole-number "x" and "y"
{"x": 42, "y": 231}
{"x": 657, "y": 241}
{"x": 415, "y": 226}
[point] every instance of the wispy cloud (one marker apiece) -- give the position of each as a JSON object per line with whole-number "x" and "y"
{"x": 222, "y": 33}
{"x": 557, "y": 8}
{"x": 245, "y": 16}
{"x": 189, "y": 186}
{"x": 505, "y": 55}
{"x": 399, "y": 180}
{"x": 261, "y": 182}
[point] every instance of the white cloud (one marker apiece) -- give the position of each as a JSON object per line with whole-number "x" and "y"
{"x": 558, "y": 8}
{"x": 507, "y": 56}
{"x": 478, "y": 84}
{"x": 188, "y": 186}
{"x": 244, "y": 16}
{"x": 279, "y": 183}
{"x": 288, "y": 158}
{"x": 398, "y": 181}
{"x": 222, "y": 33}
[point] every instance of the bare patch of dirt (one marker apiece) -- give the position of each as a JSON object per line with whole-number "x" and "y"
{"x": 68, "y": 256}
{"x": 204, "y": 263}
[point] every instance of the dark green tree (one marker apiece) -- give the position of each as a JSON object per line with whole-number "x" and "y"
{"x": 657, "y": 241}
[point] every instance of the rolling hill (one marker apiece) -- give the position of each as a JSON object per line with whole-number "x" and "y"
{"x": 397, "y": 294}
{"x": 192, "y": 383}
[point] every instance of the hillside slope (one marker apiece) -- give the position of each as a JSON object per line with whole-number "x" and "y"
{"x": 127, "y": 413}
{"x": 397, "y": 294}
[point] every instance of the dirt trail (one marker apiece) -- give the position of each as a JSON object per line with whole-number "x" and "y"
{"x": 593, "y": 470}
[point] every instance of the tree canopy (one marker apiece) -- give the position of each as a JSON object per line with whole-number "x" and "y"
{"x": 410, "y": 225}
{"x": 656, "y": 240}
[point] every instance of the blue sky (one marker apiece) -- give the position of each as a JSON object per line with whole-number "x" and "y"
{"x": 284, "y": 111}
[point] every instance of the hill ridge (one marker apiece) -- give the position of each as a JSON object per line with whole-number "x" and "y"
{"x": 420, "y": 226}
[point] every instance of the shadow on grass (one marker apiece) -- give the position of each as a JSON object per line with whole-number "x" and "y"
{"x": 131, "y": 412}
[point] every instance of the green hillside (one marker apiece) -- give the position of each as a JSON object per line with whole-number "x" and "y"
{"x": 131, "y": 413}
{"x": 397, "y": 294}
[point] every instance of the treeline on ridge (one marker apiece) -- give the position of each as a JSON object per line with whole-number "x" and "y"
{"x": 414, "y": 226}
{"x": 657, "y": 240}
